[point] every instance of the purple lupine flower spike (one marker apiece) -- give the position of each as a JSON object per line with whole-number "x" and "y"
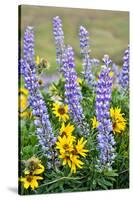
{"x": 105, "y": 137}
{"x": 43, "y": 126}
{"x": 124, "y": 75}
{"x": 72, "y": 90}
{"x": 84, "y": 40}
{"x": 115, "y": 70}
{"x": 59, "y": 39}
{"x": 87, "y": 62}
{"x": 28, "y": 49}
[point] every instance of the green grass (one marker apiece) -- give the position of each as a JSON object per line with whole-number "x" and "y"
{"x": 109, "y": 31}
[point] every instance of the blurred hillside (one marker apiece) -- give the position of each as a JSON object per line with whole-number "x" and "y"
{"x": 109, "y": 31}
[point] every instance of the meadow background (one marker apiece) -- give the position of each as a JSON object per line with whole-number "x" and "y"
{"x": 109, "y": 32}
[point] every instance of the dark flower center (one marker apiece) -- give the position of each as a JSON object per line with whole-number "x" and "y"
{"x": 114, "y": 124}
{"x": 74, "y": 152}
{"x": 63, "y": 134}
{"x": 29, "y": 179}
{"x": 66, "y": 146}
{"x": 61, "y": 111}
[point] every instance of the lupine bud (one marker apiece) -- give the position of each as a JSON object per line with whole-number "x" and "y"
{"x": 59, "y": 39}
{"x": 124, "y": 75}
{"x": 28, "y": 48}
{"x": 87, "y": 62}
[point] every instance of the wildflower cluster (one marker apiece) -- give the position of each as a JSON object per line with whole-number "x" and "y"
{"x": 71, "y": 150}
{"x": 33, "y": 169}
{"x": 78, "y": 131}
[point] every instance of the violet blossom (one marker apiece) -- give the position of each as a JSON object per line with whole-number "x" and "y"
{"x": 105, "y": 137}
{"x": 39, "y": 110}
{"x": 87, "y": 61}
{"x": 59, "y": 39}
{"x": 124, "y": 75}
{"x": 72, "y": 90}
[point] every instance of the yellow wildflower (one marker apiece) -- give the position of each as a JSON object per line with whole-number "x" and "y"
{"x": 34, "y": 166}
{"x": 37, "y": 60}
{"x": 80, "y": 81}
{"x": 119, "y": 123}
{"x": 30, "y": 181}
{"x": 23, "y": 103}
{"x": 70, "y": 152}
{"x": 111, "y": 74}
{"x": 75, "y": 162}
{"x": 80, "y": 147}
{"x": 67, "y": 130}
{"x": 61, "y": 111}
{"x": 64, "y": 144}
{"x": 95, "y": 123}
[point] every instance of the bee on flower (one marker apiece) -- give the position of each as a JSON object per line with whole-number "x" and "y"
{"x": 118, "y": 121}
{"x": 33, "y": 168}
{"x": 61, "y": 111}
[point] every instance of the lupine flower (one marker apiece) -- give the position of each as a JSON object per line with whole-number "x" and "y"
{"x": 84, "y": 40}
{"x": 119, "y": 123}
{"x": 95, "y": 62}
{"x": 115, "y": 70}
{"x": 105, "y": 138}
{"x": 43, "y": 126}
{"x": 59, "y": 39}
{"x": 44, "y": 129}
{"x": 124, "y": 75}
{"x": 28, "y": 49}
{"x": 72, "y": 90}
{"x": 87, "y": 62}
